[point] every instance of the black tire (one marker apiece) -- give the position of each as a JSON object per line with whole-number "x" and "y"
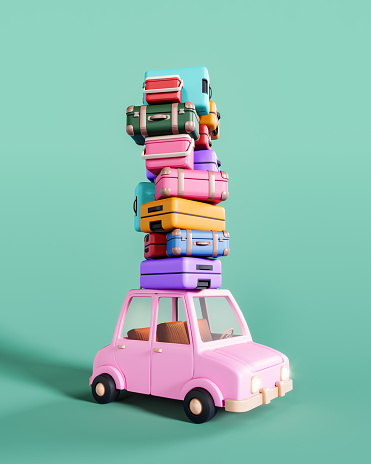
{"x": 205, "y": 402}
{"x": 104, "y": 389}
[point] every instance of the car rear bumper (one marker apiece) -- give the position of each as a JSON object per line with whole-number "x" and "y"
{"x": 263, "y": 397}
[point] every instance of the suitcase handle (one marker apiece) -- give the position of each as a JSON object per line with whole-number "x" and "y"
{"x": 200, "y": 243}
{"x": 215, "y": 131}
{"x": 158, "y": 117}
{"x": 135, "y": 205}
{"x": 168, "y": 155}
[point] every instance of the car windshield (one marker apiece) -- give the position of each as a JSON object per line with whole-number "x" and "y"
{"x": 216, "y": 318}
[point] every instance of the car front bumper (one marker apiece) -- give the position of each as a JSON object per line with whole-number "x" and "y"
{"x": 263, "y": 397}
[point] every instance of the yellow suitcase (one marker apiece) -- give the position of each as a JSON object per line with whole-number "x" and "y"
{"x": 211, "y": 120}
{"x": 178, "y": 213}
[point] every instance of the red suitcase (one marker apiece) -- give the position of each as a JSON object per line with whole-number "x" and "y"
{"x": 205, "y": 186}
{"x": 155, "y": 246}
{"x": 204, "y": 142}
{"x": 163, "y": 89}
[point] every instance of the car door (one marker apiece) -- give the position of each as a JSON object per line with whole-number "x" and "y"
{"x": 133, "y": 347}
{"x": 172, "y": 349}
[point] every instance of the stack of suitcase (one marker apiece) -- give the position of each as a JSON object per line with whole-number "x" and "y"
{"x": 178, "y": 206}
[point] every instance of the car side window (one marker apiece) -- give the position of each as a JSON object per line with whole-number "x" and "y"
{"x": 138, "y": 319}
{"x": 171, "y": 321}
{"x": 216, "y": 318}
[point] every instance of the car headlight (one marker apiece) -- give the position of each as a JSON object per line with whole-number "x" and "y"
{"x": 255, "y": 384}
{"x": 284, "y": 373}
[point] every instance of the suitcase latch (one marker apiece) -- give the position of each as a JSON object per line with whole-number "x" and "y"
{"x": 181, "y": 111}
{"x": 183, "y": 239}
{"x": 136, "y": 114}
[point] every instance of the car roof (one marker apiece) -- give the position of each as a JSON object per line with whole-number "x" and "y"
{"x": 193, "y": 293}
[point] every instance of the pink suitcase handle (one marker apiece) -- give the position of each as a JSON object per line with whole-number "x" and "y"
{"x": 168, "y": 155}
{"x": 200, "y": 243}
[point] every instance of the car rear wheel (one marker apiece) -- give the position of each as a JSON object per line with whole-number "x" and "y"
{"x": 199, "y": 406}
{"x": 104, "y": 389}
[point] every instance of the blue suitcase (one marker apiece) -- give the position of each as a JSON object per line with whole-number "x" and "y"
{"x": 181, "y": 273}
{"x": 144, "y": 193}
{"x": 205, "y": 243}
{"x": 196, "y": 87}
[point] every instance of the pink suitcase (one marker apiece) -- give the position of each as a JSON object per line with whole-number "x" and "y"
{"x": 207, "y": 186}
{"x": 175, "y": 151}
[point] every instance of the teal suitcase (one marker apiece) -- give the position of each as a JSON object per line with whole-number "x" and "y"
{"x": 165, "y": 119}
{"x": 196, "y": 85}
{"x": 144, "y": 193}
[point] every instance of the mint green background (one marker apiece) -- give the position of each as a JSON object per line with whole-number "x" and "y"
{"x": 292, "y": 82}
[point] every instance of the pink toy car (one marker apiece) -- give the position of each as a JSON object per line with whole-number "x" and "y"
{"x": 193, "y": 346}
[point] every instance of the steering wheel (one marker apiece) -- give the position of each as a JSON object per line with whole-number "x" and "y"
{"x": 227, "y": 334}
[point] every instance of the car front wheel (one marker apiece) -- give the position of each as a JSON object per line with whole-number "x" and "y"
{"x": 104, "y": 389}
{"x": 199, "y": 406}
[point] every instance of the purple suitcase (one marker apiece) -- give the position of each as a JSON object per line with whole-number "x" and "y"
{"x": 206, "y": 160}
{"x": 181, "y": 273}
{"x": 151, "y": 177}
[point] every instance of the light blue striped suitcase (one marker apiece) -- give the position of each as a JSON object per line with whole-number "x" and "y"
{"x": 196, "y": 85}
{"x": 197, "y": 243}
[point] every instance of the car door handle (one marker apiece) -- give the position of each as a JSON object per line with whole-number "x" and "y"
{"x": 157, "y": 350}
{"x": 121, "y": 346}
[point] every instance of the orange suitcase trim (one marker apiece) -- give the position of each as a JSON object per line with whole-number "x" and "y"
{"x": 211, "y": 120}
{"x": 178, "y": 213}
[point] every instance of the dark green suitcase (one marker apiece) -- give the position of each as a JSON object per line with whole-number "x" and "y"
{"x": 166, "y": 119}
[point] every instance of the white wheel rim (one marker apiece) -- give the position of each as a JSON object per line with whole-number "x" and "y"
{"x": 100, "y": 389}
{"x": 195, "y": 406}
